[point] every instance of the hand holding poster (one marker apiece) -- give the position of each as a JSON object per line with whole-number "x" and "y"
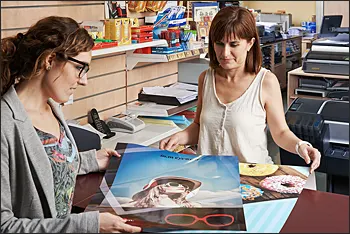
{"x": 161, "y": 190}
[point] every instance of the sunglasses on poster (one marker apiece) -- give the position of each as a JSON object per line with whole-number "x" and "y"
{"x": 212, "y": 220}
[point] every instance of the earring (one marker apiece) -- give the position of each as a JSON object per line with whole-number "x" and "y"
{"x": 48, "y": 68}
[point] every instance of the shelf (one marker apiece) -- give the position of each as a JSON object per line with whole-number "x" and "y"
{"x": 133, "y": 59}
{"x": 300, "y": 72}
{"x": 291, "y": 54}
{"x": 278, "y": 64}
{"x": 183, "y": 107}
{"x": 128, "y": 48}
{"x": 294, "y": 96}
{"x": 172, "y": 111}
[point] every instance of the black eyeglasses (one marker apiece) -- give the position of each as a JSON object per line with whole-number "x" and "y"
{"x": 82, "y": 70}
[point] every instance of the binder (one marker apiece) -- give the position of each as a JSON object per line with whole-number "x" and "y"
{"x": 165, "y": 100}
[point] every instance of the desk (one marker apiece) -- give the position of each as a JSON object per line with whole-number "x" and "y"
{"x": 151, "y": 134}
{"x": 315, "y": 211}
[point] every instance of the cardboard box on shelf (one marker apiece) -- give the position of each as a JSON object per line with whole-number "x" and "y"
{"x": 126, "y": 31}
{"x": 113, "y": 29}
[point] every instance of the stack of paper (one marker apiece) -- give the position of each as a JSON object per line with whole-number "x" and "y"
{"x": 149, "y": 109}
{"x": 184, "y": 86}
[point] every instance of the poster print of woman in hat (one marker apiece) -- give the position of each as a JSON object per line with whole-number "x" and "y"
{"x": 167, "y": 191}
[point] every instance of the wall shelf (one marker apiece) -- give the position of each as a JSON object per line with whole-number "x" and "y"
{"x": 294, "y": 53}
{"x": 280, "y": 69}
{"x": 128, "y": 48}
{"x": 133, "y": 59}
{"x": 293, "y": 82}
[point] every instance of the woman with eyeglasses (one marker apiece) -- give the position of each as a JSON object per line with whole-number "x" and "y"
{"x": 39, "y": 159}
{"x": 238, "y": 98}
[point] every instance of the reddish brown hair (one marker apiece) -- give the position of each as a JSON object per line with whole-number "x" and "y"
{"x": 240, "y": 23}
{"x": 23, "y": 56}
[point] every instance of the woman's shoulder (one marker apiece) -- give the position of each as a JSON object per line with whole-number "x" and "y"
{"x": 270, "y": 80}
{"x": 203, "y": 76}
{"x": 8, "y": 123}
{"x": 6, "y": 113}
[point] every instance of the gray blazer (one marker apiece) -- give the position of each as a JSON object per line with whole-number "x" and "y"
{"x": 27, "y": 189}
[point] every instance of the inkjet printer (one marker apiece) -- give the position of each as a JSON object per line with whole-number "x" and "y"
{"x": 328, "y": 56}
{"x": 325, "y": 124}
{"x": 269, "y": 31}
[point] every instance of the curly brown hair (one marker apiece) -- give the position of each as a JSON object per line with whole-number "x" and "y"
{"x": 23, "y": 56}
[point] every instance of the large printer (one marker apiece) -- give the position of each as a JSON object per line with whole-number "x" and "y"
{"x": 330, "y": 53}
{"x": 328, "y": 56}
{"x": 325, "y": 124}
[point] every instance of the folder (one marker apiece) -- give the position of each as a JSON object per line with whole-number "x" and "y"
{"x": 166, "y": 95}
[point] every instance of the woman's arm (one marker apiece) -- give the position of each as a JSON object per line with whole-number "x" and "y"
{"x": 188, "y": 136}
{"x": 88, "y": 162}
{"x": 284, "y": 138}
{"x": 85, "y": 222}
{"x": 89, "y": 159}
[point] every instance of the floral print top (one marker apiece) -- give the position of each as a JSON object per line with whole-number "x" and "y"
{"x": 63, "y": 157}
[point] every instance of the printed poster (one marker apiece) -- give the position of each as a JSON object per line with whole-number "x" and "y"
{"x": 160, "y": 190}
{"x": 269, "y": 193}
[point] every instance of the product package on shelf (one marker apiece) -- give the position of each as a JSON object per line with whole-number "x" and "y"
{"x": 113, "y": 28}
{"x": 103, "y": 45}
{"x": 204, "y": 11}
{"x": 167, "y": 26}
{"x": 118, "y": 30}
{"x": 141, "y": 34}
{"x": 143, "y": 6}
{"x": 94, "y": 28}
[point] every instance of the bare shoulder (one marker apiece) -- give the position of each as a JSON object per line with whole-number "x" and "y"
{"x": 270, "y": 82}
{"x": 201, "y": 77}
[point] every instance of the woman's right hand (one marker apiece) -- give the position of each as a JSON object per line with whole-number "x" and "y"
{"x": 113, "y": 223}
{"x": 169, "y": 143}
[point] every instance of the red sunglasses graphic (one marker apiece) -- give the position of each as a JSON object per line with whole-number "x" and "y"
{"x": 212, "y": 220}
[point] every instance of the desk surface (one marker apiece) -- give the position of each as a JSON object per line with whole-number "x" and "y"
{"x": 149, "y": 135}
{"x": 317, "y": 211}
{"x": 314, "y": 211}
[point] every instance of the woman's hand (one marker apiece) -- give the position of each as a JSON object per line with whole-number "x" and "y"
{"x": 309, "y": 153}
{"x": 103, "y": 156}
{"x": 110, "y": 223}
{"x": 169, "y": 143}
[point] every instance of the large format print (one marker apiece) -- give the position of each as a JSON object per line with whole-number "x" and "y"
{"x": 161, "y": 190}
{"x": 267, "y": 182}
{"x": 269, "y": 193}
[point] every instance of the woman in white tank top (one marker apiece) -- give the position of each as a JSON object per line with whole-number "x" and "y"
{"x": 237, "y": 98}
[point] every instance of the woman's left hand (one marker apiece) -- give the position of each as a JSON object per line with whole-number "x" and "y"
{"x": 103, "y": 156}
{"x": 309, "y": 153}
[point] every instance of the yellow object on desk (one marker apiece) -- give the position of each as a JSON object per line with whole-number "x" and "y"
{"x": 179, "y": 148}
{"x": 158, "y": 121}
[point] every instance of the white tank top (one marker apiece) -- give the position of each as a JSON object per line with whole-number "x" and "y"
{"x": 237, "y": 128}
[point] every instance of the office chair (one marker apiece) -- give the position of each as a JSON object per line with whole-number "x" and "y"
{"x": 85, "y": 139}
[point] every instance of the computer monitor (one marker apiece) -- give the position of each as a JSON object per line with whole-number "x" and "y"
{"x": 328, "y": 23}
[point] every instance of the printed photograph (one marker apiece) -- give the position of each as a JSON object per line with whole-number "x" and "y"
{"x": 163, "y": 189}
{"x": 265, "y": 182}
